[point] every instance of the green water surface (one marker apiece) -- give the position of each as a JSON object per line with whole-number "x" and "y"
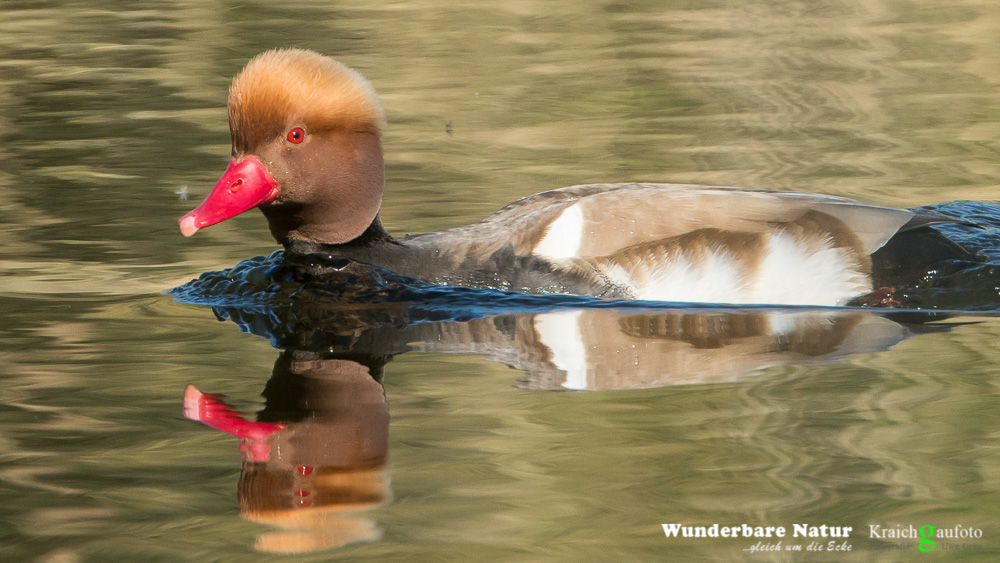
{"x": 113, "y": 124}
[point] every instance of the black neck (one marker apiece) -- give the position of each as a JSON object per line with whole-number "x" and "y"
{"x": 374, "y": 236}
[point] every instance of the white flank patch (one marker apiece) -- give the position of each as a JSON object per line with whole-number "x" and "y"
{"x": 564, "y": 236}
{"x": 788, "y": 275}
{"x": 716, "y": 276}
{"x": 716, "y": 279}
{"x": 560, "y": 332}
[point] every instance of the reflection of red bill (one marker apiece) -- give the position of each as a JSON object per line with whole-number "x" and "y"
{"x": 244, "y": 185}
{"x": 210, "y": 410}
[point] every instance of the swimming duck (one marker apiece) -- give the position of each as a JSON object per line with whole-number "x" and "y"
{"x": 306, "y": 133}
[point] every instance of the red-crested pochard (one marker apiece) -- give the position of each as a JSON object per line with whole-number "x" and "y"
{"x": 307, "y": 152}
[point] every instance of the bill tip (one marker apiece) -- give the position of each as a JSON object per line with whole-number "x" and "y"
{"x": 188, "y": 227}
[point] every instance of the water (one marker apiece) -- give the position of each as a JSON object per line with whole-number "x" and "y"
{"x": 112, "y": 125}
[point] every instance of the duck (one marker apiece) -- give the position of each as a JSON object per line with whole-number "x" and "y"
{"x": 306, "y": 151}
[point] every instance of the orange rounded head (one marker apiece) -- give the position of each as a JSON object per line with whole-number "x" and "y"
{"x": 307, "y": 150}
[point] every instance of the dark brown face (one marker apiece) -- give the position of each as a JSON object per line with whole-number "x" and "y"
{"x": 331, "y": 185}
{"x": 324, "y": 187}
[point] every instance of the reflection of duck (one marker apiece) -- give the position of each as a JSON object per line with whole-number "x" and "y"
{"x": 598, "y": 349}
{"x": 307, "y": 150}
{"x": 606, "y": 349}
{"x": 316, "y": 453}
{"x": 654, "y": 349}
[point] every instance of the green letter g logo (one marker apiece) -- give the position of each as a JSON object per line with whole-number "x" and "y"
{"x": 927, "y": 544}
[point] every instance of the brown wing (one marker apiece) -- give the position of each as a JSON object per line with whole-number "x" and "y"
{"x": 616, "y": 216}
{"x": 601, "y": 219}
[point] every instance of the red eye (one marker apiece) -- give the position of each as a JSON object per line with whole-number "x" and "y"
{"x": 296, "y": 135}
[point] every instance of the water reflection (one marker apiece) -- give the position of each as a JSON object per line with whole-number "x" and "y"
{"x": 316, "y": 454}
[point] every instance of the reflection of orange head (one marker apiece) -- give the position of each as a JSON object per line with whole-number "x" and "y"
{"x": 278, "y": 496}
{"x": 323, "y": 466}
{"x": 312, "y": 501}
{"x": 326, "y": 457}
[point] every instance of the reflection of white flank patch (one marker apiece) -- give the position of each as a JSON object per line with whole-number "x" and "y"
{"x": 782, "y": 322}
{"x": 563, "y": 237}
{"x": 560, "y": 332}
